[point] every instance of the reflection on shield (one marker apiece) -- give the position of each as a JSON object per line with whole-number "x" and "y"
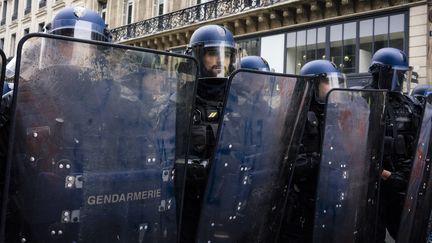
{"x": 258, "y": 140}
{"x": 418, "y": 201}
{"x": 93, "y": 146}
{"x": 347, "y": 194}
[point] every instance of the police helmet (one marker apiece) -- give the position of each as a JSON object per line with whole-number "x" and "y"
{"x": 390, "y": 69}
{"x": 6, "y": 88}
{"x": 255, "y": 62}
{"x": 79, "y": 22}
{"x": 215, "y": 49}
{"x": 422, "y": 90}
{"x": 329, "y": 77}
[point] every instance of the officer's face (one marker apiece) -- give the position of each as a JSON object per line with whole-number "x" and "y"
{"x": 323, "y": 88}
{"x": 216, "y": 62}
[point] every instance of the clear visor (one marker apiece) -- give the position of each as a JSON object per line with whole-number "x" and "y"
{"x": 216, "y": 61}
{"x": 401, "y": 79}
{"x": 328, "y": 82}
{"x": 79, "y": 29}
{"x": 57, "y": 51}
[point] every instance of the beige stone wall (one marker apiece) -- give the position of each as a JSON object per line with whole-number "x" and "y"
{"x": 30, "y": 20}
{"x": 418, "y": 41}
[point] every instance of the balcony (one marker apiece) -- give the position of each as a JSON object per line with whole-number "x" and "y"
{"x": 184, "y": 17}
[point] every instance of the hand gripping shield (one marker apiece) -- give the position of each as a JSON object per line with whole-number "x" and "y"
{"x": 349, "y": 173}
{"x": 418, "y": 201}
{"x": 258, "y": 140}
{"x": 93, "y": 142}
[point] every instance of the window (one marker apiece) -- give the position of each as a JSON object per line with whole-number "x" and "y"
{"x": 41, "y": 27}
{"x": 102, "y": 10}
{"x": 128, "y": 11}
{"x": 159, "y": 7}
{"x": 12, "y": 45}
{"x": 42, "y": 3}
{"x": 350, "y": 45}
{"x": 26, "y": 31}
{"x": 250, "y": 47}
{"x": 28, "y": 7}
{"x": 2, "y": 43}
{"x": 3, "y": 19}
{"x": 272, "y": 50}
{"x": 304, "y": 46}
{"x": 15, "y": 10}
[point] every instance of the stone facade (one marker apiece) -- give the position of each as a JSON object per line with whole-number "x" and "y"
{"x": 22, "y": 19}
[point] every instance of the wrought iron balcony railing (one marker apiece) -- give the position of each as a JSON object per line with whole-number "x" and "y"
{"x": 198, "y": 13}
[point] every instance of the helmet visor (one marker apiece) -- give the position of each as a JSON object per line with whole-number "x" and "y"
{"x": 328, "y": 82}
{"x": 401, "y": 79}
{"x": 216, "y": 60}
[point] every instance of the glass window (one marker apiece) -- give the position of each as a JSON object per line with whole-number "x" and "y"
{"x": 12, "y": 45}
{"x": 311, "y": 38}
{"x": 41, "y": 27}
{"x": 301, "y": 50}
{"x": 365, "y": 49}
{"x": 291, "y": 53}
{"x": 321, "y": 43}
{"x": 2, "y": 43}
{"x": 128, "y": 11}
{"x": 336, "y": 45}
{"x": 272, "y": 49}
{"x": 349, "y": 47}
{"x": 249, "y": 47}
{"x": 381, "y": 32}
{"x": 397, "y": 31}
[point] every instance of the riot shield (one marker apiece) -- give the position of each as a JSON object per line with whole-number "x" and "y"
{"x": 2, "y": 68}
{"x": 93, "y": 142}
{"x": 249, "y": 175}
{"x": 347, "y": 194}
{"x": 418, "y": 201}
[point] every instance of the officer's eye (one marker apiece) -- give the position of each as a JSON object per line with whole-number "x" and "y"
{"x": 212, "y": 53}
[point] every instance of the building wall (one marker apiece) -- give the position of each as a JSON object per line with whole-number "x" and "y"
{"x": 418, "y": 45}
{"x": 30, "y": 21}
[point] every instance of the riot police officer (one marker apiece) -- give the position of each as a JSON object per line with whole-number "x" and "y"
{"x": 216, "y": 51}
{"x": 255, "y": 63}
{"x": 75, "y": 22}
{"x": 421, "y": 91}
{"x": 298, "y": 222}
{"x": 390, "y": 71}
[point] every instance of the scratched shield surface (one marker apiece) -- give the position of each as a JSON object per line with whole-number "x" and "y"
{"x": 414, "y": 225}
{"x": 347, "y": 193}
{"x": 258, "y": 140}
{"x": 94, "y": 142}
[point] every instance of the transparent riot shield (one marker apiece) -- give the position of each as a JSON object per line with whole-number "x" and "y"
{"x": 418, "y": 201}
{"x": 349, "y": 173}
{"x": 93, "y": 142}
{"x": 258, "y": 139}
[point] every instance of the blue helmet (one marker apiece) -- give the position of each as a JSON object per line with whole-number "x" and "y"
{"x": 79, "y": 22}
{"x": 215, "y": 49}
{"x": 255, "y": 62}
{"x": 390, "y": 69}
{"x": 422, "y": 90}
{"x": 6, "y": 88}
{"x": 328, "y": 76}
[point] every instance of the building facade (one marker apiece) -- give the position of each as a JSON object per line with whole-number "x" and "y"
{"x": 288, "y": 33}
{"x": 20, "y": 17}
